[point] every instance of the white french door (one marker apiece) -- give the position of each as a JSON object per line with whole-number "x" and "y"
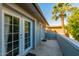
{"x": 17, "y": 35}
{"x": 11, "y": 35}
{"x": 27, "y": 35}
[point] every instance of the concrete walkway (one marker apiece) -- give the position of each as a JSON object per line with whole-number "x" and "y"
{"x": 48, "y": 48}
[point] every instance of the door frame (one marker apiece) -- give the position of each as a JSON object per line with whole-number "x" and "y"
{"x": 31, "y": 35}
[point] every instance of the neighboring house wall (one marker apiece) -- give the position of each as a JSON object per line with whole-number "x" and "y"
{"x": 57, "y": 29}
{"x": 22, "y": 15}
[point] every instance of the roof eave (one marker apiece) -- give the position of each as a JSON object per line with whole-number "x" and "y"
{"x": 40, "y": 12}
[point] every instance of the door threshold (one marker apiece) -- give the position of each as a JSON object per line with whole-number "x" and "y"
{"x": 31, "y": 54}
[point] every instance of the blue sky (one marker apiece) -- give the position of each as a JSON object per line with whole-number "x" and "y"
{"x": 47, "y": 11}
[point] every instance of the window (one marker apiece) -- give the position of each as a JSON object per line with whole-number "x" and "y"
{"x": 27, "y": 34}
{"x": 11, "y": 35}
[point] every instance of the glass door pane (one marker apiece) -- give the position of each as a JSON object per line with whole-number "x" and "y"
{"x": 27, "y": 34}
{"x": 11, "y": 35}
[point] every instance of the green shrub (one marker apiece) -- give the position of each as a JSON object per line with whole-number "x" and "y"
{"x": 73, "y": 24}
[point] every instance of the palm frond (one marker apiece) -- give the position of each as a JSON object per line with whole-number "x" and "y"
{"x": 65, "y": 15}
{"x": 60, "y": 8}
{"x": 55, "y": 17}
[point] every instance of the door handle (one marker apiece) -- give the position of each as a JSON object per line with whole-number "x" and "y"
{"x": 20, "y": 34}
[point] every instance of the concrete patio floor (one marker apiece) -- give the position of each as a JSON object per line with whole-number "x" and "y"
{"x": 48, "y": 48}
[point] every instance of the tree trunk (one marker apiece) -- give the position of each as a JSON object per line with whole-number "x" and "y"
{"x": 62, "y": 22}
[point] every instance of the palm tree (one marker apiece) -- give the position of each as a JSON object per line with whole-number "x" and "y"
{"x": 60, "y": 11}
